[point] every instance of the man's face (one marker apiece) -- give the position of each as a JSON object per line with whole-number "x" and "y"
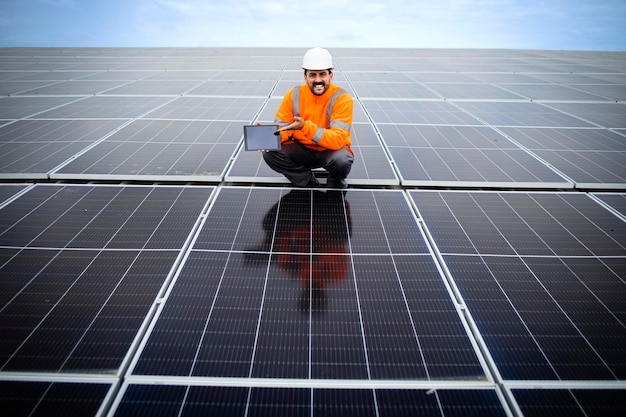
{"x": 318, "y": 80}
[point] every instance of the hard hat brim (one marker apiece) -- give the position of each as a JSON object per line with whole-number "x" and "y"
{"x": 318, "y": 69}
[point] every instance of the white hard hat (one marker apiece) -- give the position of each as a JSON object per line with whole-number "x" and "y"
{"x": 317, "y": 59}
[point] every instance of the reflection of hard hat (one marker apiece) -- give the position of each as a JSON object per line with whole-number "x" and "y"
{"x": 317, "y": 59}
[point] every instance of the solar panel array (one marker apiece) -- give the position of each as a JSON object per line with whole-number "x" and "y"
{"x": 151, "y": 266}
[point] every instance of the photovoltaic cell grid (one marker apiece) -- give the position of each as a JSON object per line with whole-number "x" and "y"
{"x": 576, "y": 402}
{"x": 81, "y": 267}
{"x": 615, "y": 201}
{"x": 463, "y": 156}
{"x": 8, "y": 191}
{"x": 325, "y": 286}
{"x": 590, "y": 156}
{"x": 519, "y": 288}
{"x": 32, "y": 398}
{"x": 146, "y": 400}
{"x": 542, "y": 275}
{"x": 413, "y": 88}
{"x": 158, "y": 150}
{"x": 34, "y": 148}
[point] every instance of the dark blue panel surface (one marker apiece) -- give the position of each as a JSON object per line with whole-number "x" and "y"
{"x": 38, "y": 146}
{"x": 541, "y": 317}
{"x": 296, "y": 300}
{"x": 241, "y": 219}
{"x": 60, "y": 306}
{"x": 67, "y": 304}
{"x": 45, "y": 399}
{"x": 7, "y": 191}
{"x": 102, "y": 107}
{"x": 148, "y": 401}
{"x": 192, "y": 401}
{"x": 568, "y": 224}
{"x": 572, "y": 403}
{"x": 382, "y": 222}
{"x": 521, "y": 114}
{"x": 98, "y": 217}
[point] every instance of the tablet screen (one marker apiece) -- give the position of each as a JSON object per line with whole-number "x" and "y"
{"x": 261, "y": 137}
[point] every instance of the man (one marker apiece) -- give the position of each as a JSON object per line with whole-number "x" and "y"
{"x": 315, "y": 120}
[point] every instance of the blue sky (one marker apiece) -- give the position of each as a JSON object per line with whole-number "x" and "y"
{"x": 520, "y": 24}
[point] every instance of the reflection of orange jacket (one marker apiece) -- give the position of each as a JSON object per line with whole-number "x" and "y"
{"x": 328, "y": 118}
{"x": 323, "y": 270}
{"x": 309, "y": 233}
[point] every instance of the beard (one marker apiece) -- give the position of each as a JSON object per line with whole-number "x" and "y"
{"x": 318, "y": 88}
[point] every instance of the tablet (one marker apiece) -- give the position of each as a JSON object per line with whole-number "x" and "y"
{"x": 257, "y": 137}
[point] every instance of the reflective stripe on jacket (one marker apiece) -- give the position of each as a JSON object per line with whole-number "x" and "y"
{"x": 328, "y": 118}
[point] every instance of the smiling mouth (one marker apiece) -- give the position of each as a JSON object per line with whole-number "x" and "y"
{"x": 318, "y": 88}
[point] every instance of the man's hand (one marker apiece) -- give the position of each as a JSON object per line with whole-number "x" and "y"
{"x": 298, "y": 123}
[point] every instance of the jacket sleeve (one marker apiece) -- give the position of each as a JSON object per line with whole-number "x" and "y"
{"x": 337, "y": 134}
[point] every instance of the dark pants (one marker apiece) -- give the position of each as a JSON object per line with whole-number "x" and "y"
{"x": 295, "y": 161}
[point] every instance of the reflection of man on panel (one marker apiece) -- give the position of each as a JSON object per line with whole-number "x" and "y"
{"x": 315, "y": 120}
{"x": 321, "y": 227}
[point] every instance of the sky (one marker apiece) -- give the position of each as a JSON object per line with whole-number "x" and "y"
{"x": 512, "y": 24}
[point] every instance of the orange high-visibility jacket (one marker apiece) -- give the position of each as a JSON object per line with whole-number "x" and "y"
{"x": 328, "y": 118}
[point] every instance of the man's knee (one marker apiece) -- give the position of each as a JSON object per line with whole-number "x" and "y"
{"x": 274, "y": 159}
{"x": 340, "y": 160}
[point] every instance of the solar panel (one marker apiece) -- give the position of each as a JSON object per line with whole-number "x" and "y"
{"x": 474, "y": 91}
{"x": 17, "y": 87}
{"x": 50, "y": 76}
{"x": 268, "y": 290}
{"x": 615, "y": 201}
{"x": 463, "y": 155}
{"x": 229, "y": 87}
{"x": 52, "y": 398}
{"x": 242, "y": 75}
{"x": 576, "y": 402}
{"x": 209, "y": 108}
{"x": 74, "y": 87}
{"x": 522, "y": 114}
{"x": 417, "y": 112}
{"x": 550, "y": 92}
{"x": 153, "y": 87}
{"x": 503, "y": 78}
{"x": 160, "y": 149}
{"x": 71, "y": 257}
{"x": 609, "y": 115}
{"x": 9, "y": 190}
{"x": 474, "y": 266}
{"x": 607, "y": 91}
{"x": 587, "y": 156}
{"x": 549, "y": 266}
{"x": 392, "y": 90}
{"x": 22, "y": 107}
{"x": 33, "y": 148}
{"x": 146, "y": 400}
{"x": 102, "y": 107}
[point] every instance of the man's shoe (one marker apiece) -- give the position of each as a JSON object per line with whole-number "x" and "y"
{"x": 313, "y": 182}
{"x": 337, "y": 183}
